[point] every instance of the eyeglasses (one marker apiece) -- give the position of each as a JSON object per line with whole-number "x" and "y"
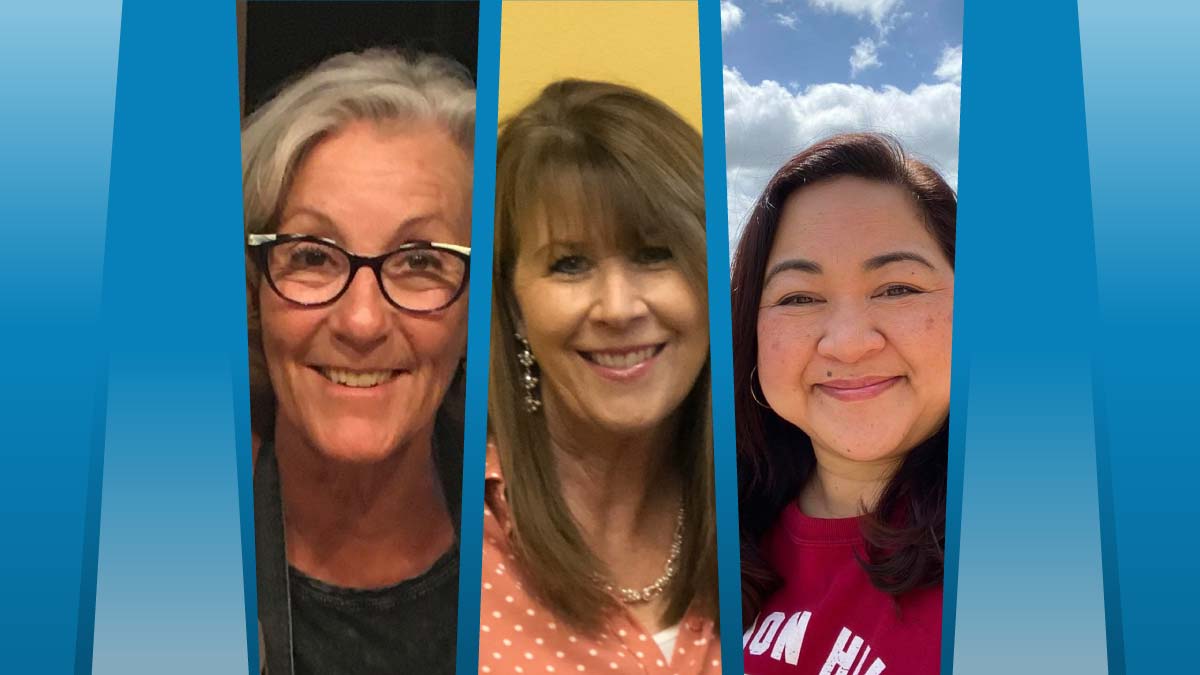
{"x": 420, "y": 276}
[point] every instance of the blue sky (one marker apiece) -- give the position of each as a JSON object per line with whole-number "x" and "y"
{"x": 799, "y": 70}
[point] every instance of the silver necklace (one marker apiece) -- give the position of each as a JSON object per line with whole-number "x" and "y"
{"x": 637, "y": 596}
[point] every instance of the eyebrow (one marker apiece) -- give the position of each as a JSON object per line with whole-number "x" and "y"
{"x": 797, "y": 264}
{"x": 567, "y": 244}
{"x": 335, "y": 232}
{"x": 870, "y": 265}
{"x": 885, "y": 259}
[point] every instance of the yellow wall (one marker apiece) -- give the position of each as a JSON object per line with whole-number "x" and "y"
{"x": 652, "y": 45}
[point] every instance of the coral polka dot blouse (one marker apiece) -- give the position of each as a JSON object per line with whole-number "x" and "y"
{"x": 518, "y": 635}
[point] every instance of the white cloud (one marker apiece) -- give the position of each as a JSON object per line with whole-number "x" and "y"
{"x": 864, "y": 55}
{"x": 949, "y": 67}
{"x": 786, "y": 20}
{"x": 881, "y": 13}
{"x": 765, "y": 124}
{"x": 731, "y": 16}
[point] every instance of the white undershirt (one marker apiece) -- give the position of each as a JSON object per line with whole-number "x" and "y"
{"x": 666, "y": 641}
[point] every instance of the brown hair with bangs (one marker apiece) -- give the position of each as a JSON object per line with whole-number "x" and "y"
{"x": 611, "y": 162}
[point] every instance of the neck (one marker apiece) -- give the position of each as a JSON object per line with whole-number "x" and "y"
{"x": 624, "y": 491}
{"x": 613, "y": 481}
{"x": 842, "y": 488}
{"x": 362, "y": 525}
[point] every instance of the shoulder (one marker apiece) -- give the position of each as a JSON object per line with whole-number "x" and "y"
{"x": 497, "y": 521}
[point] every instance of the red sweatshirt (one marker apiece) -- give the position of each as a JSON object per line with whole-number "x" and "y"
{"x": 828, "y": 619}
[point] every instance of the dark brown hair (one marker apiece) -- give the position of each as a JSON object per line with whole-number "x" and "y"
{"x": 905, "y": 533}
{"x": 595, "y": 155}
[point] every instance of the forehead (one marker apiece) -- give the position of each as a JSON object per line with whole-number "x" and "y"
{"x": 849, "y": 219}
{"x": 569, "y": 209}
{"x": 372, "y": 179}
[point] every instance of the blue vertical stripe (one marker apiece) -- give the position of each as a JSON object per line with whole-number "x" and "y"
{"x": 1029, "y": 579}
{"x": 171, "y": 589}
{"x": 58, "y": 66}
{"x": 724, "y": 446}
{"x": 1141, "y": 67}
{"x": 487, "y": 101}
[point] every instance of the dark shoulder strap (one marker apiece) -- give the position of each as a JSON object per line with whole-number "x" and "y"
{"x": 274, "y": 598}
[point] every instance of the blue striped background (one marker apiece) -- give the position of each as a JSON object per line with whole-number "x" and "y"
{"x": 1029, "y": 583}
{"x": 1141, "y": 74}
{"x": 123, "y": 307}
{"x": 487, "y": 103}
{"x": 56, "y": 123}
{"x": 170, "y": 593}
{"x": 724, "y": 446}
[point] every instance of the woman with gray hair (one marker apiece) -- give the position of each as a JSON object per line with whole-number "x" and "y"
{"x": 357, "y": 189}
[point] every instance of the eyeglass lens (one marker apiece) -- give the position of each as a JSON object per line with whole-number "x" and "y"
{"x": 420, "y": 279}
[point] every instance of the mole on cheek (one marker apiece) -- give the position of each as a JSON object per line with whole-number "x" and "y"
{"x": 929, "y": 322}
{"x": 829, "y": 373}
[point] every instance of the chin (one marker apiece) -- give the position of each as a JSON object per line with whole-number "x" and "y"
{"x": 865, "y": 448}
{"x": 632, "y": 421}
{"x": 357, "y": 448}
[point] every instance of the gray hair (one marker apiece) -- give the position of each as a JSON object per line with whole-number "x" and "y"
{"x": 376, "y": 84}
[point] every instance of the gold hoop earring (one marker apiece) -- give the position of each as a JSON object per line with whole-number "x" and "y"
{"x": 528, "y": 379}
{"x": 753, "y": 373}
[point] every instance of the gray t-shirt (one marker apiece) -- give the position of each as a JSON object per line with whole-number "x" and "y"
{"x": 406, "y": 628}
{"x": 308, "y": 626}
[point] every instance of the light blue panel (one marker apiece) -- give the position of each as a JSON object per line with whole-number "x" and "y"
{"x": 1141, "y": 66}
{"x": 58, "y": 68}
{"x": 1029, "y": 577}
{"x": 487, "y": 107}
{"x": 729, "y": 561}
{"x": 175, "y": 522}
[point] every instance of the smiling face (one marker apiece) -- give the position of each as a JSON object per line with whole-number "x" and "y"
{"x": 619, "y": 334}
{"x": 854, "y": 325}
{"x": 358, "y": 379}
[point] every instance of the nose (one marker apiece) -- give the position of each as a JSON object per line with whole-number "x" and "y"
{"x": 619, "y": 298}
{"x": 850, "y": 335}
{"x": 360, "y": 317}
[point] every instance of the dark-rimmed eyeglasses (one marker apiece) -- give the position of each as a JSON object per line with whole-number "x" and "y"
{"x": 420, "y": 276}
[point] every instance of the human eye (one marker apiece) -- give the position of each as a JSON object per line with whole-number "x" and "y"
{"x": 296, "y": 257}
{"x": 797, "y": 300}
{"x": 652, "y": 255}
{"x": 570, "y": 265}
{"x": 898, "y": 291}
{"x": 309, "y": 256}
{"x": 418, "y": 261}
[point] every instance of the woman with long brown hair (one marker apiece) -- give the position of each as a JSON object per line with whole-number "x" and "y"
{"x": 599, "y": 540}
{"x": 843, "y": 291}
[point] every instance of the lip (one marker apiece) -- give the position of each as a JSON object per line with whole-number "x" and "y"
{"x": 340, "y": 389}
{"x": 627, "y": 373}
{"x": 857, "y": 389}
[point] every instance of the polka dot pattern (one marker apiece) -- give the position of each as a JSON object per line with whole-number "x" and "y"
{"x": 519, "y": 635}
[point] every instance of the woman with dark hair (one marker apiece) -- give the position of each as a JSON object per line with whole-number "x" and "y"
{"x": 843, "y": 291}
{"x": 598, "y": 529}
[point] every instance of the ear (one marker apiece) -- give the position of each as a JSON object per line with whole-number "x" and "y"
{"x": 255, "y": 446}
{"x": 513, "y": 310}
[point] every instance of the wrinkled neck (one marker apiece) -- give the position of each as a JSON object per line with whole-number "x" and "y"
{"x": 362, "y": 525}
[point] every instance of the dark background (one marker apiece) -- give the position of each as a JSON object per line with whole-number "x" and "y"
{"x": 284, "y": 39}
{"x": 280, "y": 41}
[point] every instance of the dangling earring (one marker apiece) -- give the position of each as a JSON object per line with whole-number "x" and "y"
{"x": 753, "y": 378}
{"x": 528, "y": 379}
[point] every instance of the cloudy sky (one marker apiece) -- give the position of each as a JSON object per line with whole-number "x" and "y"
{"x": 799, "y": 70}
